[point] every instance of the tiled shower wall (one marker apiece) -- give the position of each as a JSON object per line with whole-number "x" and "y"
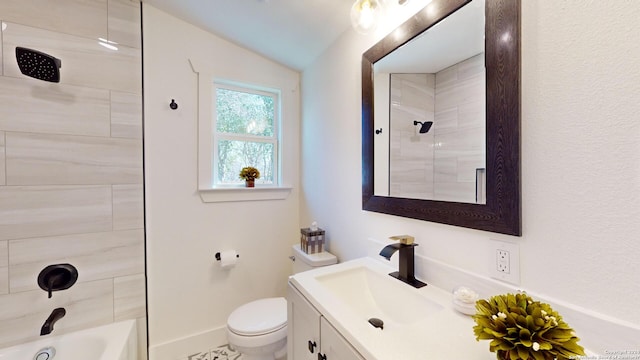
{"x": 459, "y": 130}
{"x": 71, "y": 167}
{"x": 411, "y": 153}
{"x": 441, "y": 164}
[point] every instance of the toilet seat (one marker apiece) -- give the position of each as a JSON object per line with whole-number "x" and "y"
{"x": 259, "y": 317}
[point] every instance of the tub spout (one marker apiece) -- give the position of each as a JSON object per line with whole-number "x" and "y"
{"x": 56, "y": 315}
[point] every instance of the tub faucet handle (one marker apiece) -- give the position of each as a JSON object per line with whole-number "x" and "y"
{"x": 403, "y": 239}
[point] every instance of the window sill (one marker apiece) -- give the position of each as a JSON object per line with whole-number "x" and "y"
{"x": 244, "y": 194}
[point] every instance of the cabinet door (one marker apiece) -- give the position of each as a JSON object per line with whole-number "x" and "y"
{"x": 334, "y": 346}
{"x": 303, "y": 333}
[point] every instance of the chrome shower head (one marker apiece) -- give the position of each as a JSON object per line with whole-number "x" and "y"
{"x": 426, "y": 126}
{"x": 38, "y": 65}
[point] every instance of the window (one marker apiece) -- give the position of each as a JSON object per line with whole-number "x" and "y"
{"x": 238, "y": 135}
{"x": 245, "y": 133}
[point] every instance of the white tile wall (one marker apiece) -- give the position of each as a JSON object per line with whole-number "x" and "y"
{"x": 31, "y": 211}
{"x": 95, "y": 255}
{"x": 472, "y": 115}
{"x": 459, "y": 130}
{"x": 472, "y": 68}
{"x": 87, "y": 18}
{"x": 142, "y": 336}
{"x": 1, "y": 52}
{"x": 35, "y": 159}
{"x": 87, "y": 304}
{"x": 124, "y": 22}
{"x": 128, "y": 297}
{"x": 455, "y": 93}
{"x": 3, "y": 178}
{"x": 4, "y": 254}
{"x": 30, "y": 105}
{"x": 440, "y": 164}
{"x": 411, "y": 153}
{"x": 4, "y": 268}
{"x": 84, "y": 61}
{"x": 126, "y": 115}
{"x": 447, "y": 121}
{"x": 71, "y": 167}
{"x": 128, "y": 211}
{"x": 4, "y": 280}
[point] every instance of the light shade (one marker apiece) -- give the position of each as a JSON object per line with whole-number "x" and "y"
{"x": 365, "y": 15}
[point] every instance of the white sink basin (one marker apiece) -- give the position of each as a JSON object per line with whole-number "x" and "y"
{"x": 373, "y": 294}
{"x": 418, "y": 323}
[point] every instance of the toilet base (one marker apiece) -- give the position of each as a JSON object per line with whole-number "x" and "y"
{"x": 269, "y": 352}
{"x": 271, "y": 346}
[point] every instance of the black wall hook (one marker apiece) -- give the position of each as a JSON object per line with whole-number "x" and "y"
{"x": 378, "y": 131}
{"x": 173, "y": 105}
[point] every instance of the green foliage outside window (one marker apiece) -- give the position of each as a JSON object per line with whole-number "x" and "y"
{"x": 245, "y": 124}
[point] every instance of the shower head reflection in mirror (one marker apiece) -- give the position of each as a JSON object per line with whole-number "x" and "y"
{"x": 424, "y": 126}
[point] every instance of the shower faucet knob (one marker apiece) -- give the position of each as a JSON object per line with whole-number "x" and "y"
{"x": 57, "y": 277}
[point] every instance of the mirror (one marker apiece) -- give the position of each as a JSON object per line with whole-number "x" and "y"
{"x": 430, "y": 95}
{"x": 492, "y": 202}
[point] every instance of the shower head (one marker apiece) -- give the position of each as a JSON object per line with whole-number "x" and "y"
{"x": 425, "y": 126}
{"x": 38, "y": 65}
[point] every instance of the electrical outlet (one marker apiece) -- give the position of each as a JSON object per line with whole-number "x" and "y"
{"x": 505, "y": 261}
{"x": 502, "y": 261}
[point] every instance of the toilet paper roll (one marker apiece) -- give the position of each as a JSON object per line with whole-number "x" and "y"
{"x": 228, "y": 259}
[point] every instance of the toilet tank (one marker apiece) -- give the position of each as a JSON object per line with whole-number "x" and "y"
{"x": 303, "y": 261}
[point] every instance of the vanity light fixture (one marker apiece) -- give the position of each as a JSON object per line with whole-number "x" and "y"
{"x": 365, "y": 15}
{"x": 426, "y": 126}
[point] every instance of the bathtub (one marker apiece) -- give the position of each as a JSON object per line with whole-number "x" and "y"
{"x": 117, "y": 341}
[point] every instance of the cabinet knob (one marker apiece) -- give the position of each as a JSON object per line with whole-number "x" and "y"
{"x": 322, "y": 357}
{"x": 312, "y": 346}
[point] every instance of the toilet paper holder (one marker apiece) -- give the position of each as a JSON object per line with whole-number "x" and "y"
{"x": 218, "y": 256}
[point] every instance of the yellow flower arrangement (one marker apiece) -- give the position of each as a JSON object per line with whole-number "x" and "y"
{"x": 522, "y": 329}
{"x": 249, "y": 173}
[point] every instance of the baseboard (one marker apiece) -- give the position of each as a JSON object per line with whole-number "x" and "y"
{"x": 181, "y": 349}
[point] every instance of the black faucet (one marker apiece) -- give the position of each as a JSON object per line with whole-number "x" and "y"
{"x": 56, "y": 315}
{"x": 406, "y": 267}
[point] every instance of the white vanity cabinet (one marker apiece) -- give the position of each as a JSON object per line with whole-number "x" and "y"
{"x": 334, "y": 346}
{"x": 310, "y": 336}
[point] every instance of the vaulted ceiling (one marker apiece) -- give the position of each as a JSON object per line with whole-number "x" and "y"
{"x": 291, "y": 32}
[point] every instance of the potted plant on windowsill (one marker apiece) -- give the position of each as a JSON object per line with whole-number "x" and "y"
{"x": 249, "y": 174}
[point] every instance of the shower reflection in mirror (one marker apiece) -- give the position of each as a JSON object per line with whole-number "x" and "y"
{"x": 437, "y": 132}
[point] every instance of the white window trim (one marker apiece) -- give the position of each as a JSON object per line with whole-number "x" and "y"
{"x": 207, "y": 192}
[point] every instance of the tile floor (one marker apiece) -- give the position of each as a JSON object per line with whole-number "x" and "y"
{"x": 220, "y": 353}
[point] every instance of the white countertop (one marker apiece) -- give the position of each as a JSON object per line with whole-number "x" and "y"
{"x": 442, "y": 335}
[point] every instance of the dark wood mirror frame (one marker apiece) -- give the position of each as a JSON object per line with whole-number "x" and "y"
{"x": 502, "y": 212}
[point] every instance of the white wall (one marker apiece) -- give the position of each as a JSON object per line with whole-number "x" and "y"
{"x": 189, "y": 296}
{"x": 581, "y": 174}
{"x": 580, "y": 166}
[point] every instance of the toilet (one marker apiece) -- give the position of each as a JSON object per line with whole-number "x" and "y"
{"x": 258, "y": 330}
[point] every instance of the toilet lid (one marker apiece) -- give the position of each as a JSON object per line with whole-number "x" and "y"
{"x": 259, "y": 317}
